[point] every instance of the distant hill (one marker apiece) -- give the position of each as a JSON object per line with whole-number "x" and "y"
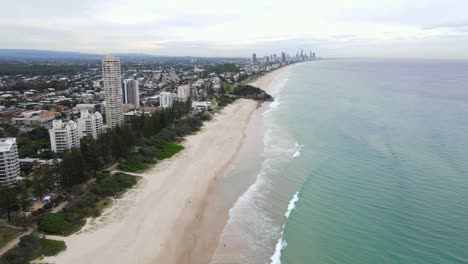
{"x": 28, "y": 54}
{"x": 20, "y": 54}
{"x": 44, "y": 54}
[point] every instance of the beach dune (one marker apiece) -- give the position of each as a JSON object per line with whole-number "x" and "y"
{"x": 158, "y": 221}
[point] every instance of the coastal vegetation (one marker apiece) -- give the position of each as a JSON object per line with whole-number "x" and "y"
{"x": 89, "y": 204}
{"x": 251, "y": 92}
{"x": 136, "y": 145}
{"x": 55, "y": 224}
{"x": 230, "y": 93}
{"x": 32, "y": 247}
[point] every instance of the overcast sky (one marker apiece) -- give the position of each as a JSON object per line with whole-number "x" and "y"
{"x": 332, "y": 28}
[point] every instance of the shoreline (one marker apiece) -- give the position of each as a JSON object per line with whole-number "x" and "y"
{"x": 215, "y": 215}
{"x": 159, "y": 221}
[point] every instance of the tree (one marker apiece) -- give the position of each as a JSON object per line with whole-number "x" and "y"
{"x": 41, "y": 181}
{"x": 66, "y": 169}
{"x": 8, "y": 199}
{"x": 92, "y": 154}
{"x": 38, "y": 187}
{"x": 73, "y": 168}
{"x": 25, "y": 203}
{"x": 79, "y": 167}
{"x": 12, "y": 131}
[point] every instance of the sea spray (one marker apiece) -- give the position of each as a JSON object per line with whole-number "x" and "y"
{"x": 298, "y": 148}
{"x": 282, "y": 244}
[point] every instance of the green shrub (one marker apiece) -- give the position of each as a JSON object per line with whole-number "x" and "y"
{"x": 136, "y": 163}
{"x": 168, "y": 151}
{"x": 205, "y": 116}
{"x": 14, "y": 256}
{"x": 252, "y": 92}
{"x": 85, "y": 206}
{"x": 32, "y": 247}
{"x": 168, "y": 134}
{"x": 52, "y": 247}
{"x": 54, "y": 224}
{"x": 114, "y": 185}
{"x": 224, "y": 100}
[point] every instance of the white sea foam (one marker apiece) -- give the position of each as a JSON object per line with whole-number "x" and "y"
{"x": 292, "y": 204}
{"x": 282, "y": 244}
{"x": 297, "y": 153}
{"x": 275, "y": 103}
{"x": 275, "y": 92}
{"x": 248, "y": 220}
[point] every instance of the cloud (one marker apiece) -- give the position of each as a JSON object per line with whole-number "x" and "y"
{"x": 456, "y": 27}
{"x": 221, "y": 28}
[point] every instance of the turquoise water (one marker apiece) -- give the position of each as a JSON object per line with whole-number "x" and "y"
{"x": 362, "y": 162}
{"x": 382, "y": 173}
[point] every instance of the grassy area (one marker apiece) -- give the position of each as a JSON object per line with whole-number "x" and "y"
{"x": 90, "y": 204}
{"x": 149, "y": 154}
{"x": 8, "y": 234}
{"x": 114, "y": 185}
{"x": 103, "y": 204}
{"x": 51, "y": 247}
{"x": 59, "y": 224}
{"x": 168, "y": 151}
{"x": 32, "y": 247}
{"x": 137, "y": 163}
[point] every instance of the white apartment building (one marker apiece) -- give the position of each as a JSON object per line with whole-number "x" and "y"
{"x": 132, "y": 90}
{"x": 9, "y": 161}
{"x": 64, "y": 136}
{"x": 112, "y": 90}
{"x": 166, "y": 100}
{"x": 90, "y": 124}
{"x": 183, "y": 92}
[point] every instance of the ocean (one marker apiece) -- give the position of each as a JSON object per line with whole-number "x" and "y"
{"x": 363, "y": 161}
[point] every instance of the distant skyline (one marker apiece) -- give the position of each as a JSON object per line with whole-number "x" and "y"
{"x": 333, "y": 28}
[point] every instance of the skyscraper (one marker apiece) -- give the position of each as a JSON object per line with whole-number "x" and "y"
{"x": 254, "y": 58}
{"x": 9, "y": 162}
{"x": 133, "y": 92}
{"x": 283, "y": 57}
{"x": 313, "y": 56}
{"x": 124, "y": 91}
{"x": 112, "y": 90}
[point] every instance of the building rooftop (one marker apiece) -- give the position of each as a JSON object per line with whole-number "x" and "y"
{"x": 6, "y": 144}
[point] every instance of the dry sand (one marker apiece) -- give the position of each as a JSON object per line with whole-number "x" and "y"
{"x": 159, "y": 220}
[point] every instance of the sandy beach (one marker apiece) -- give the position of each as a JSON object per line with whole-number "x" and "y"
{"x": 161, "y": 220}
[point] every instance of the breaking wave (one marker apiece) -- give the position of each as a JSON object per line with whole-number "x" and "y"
{"x": 282, "y": 244}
